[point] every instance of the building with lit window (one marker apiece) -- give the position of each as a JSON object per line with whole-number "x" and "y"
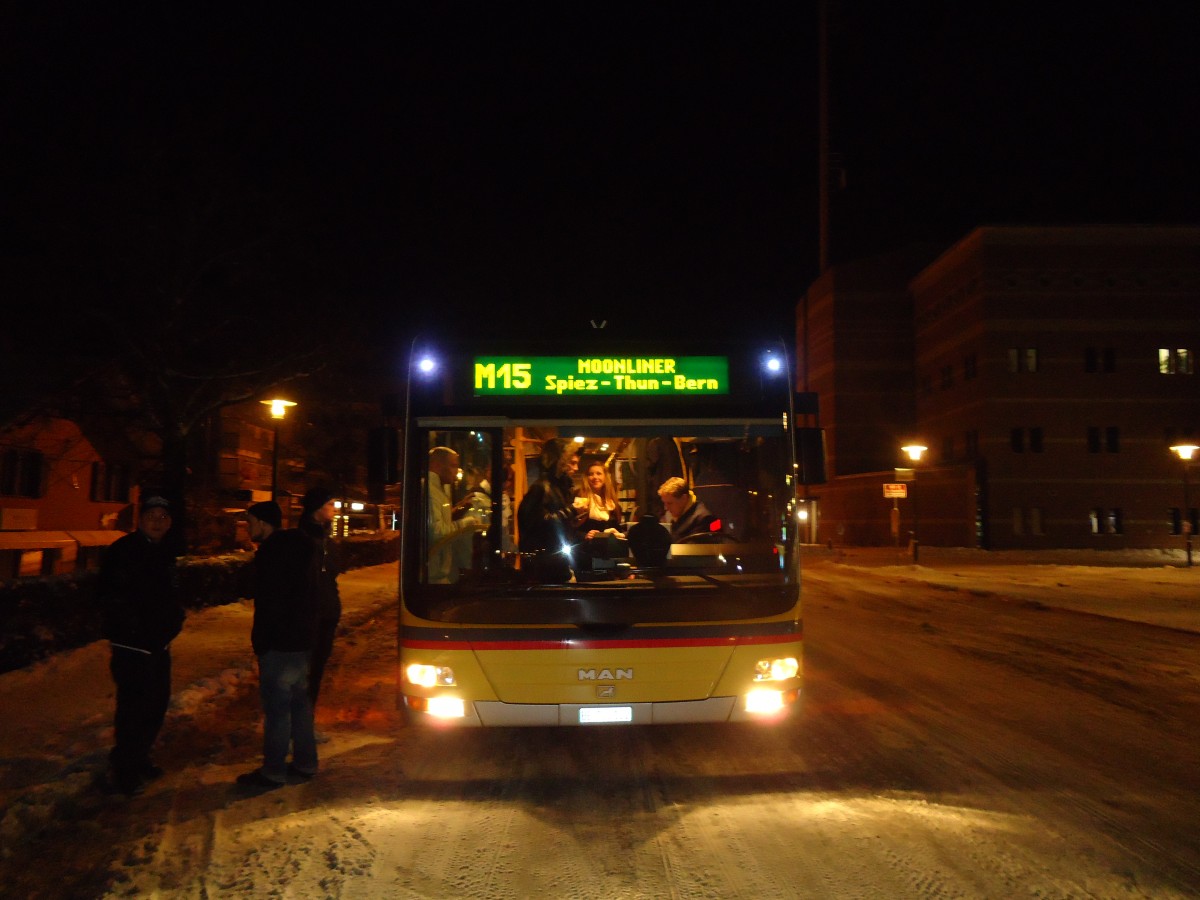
{"x": 1047, "y": 369}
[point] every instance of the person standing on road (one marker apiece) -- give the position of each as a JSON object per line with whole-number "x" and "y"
{"x": 319, "y": 513}
{"x": 142, "y": 613}
{"x": 283, "y": 635}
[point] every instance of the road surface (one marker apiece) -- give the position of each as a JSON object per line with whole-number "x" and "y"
{"x": 952, "y": 743}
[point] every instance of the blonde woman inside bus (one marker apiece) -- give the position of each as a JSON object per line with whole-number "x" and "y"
{"x": 604, "y": 512}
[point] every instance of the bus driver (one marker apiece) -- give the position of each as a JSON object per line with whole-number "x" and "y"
{"x": 688, "y": 515}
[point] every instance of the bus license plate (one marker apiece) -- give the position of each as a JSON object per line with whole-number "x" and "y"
{"x": 593, "y": 715}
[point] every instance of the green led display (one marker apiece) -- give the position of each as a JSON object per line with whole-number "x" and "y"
{"x": 578, "y": 377}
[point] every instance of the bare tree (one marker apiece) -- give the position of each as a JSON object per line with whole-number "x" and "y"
{"x": 199, "y": 285}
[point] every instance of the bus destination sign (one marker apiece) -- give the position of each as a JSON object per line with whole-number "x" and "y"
{"x": 576, "y": 377}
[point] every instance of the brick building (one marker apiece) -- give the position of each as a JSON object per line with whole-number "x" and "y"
{"x": 1047, "y": 369}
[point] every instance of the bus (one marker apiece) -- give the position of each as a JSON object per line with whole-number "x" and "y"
{"x": 631, "y": 626}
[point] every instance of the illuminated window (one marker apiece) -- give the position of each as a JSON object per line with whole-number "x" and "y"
{"x": 1106, "y": 521}
{"x": 1176, "y": 362}
{"x": 1022, "y": 359}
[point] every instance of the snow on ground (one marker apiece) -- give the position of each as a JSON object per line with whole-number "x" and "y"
{"x": 1139, "y": 585}
{"x": 58, "y": 712}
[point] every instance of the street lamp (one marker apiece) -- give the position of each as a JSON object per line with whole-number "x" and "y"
{"x": 1185, "y": 452}
{"x": 279, "y": 410}
{"x": 914, "y": 452}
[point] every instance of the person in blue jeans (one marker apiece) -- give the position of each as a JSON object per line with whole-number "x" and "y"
{"x": 283, "y": 636}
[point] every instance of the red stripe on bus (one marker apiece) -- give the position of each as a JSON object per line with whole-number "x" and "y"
{"x": 601, "y": 645}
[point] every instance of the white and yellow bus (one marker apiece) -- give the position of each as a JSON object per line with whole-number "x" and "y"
{"x": 633, "y": 625}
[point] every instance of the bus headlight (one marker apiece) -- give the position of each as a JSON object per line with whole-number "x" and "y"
{"x": 776, "y": 669}
{"x": 429, "y": 676}
{"x": 761, "y": 700}
{"x": 447, "y": 707}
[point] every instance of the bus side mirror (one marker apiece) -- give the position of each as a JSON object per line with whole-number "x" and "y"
{"x": 810, "y": 456}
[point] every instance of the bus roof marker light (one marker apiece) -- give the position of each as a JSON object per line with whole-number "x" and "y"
{"x": 772, "y": 363}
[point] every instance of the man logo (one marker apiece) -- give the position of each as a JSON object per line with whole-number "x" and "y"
{"x": 606, "y": 674}
{"x": 606, "y": 691}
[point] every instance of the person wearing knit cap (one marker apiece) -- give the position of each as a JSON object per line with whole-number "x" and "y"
{"x": 283, "y": 635}
{"x": 319, "y": 513}
{"x": 268, "y": 511}
{"x": 142, "y": 612}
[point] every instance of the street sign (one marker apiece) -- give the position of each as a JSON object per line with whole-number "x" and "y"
{"x": 895, "y": 490}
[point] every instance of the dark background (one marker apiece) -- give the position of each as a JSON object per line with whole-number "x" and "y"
{"x": 531, "y": 167}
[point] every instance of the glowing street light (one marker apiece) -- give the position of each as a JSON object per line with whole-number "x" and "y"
{"x": 278, "y": 408}
{"x": 1185, "y": 452}
{"x": 914, "y": 453}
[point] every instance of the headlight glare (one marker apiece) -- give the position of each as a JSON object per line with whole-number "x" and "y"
{"x": 429, "y": 676}
{"x": 776, "y": 669}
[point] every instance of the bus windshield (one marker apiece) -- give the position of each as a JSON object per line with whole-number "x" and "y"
{"x": 601, "y": 521}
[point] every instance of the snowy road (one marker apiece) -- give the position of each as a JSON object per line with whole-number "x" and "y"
{"x": 952, "y": 744}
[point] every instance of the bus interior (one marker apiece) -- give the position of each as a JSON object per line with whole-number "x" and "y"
{"x": 739, "y": 470}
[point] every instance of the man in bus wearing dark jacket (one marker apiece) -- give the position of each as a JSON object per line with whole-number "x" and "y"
{"x": 688, "y": 515}
{"x": 283, "y": 636}
{"x": 142, "y": 613}
{"x": 319, "y": 512}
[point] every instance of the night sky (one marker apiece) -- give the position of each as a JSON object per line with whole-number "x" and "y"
{"x": 540, "y": 165}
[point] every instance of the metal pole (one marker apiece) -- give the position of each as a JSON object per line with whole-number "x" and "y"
{"x": 275, "y": 463}
{"x": 916, "y": 523}
{"x": 1187, "y": 514}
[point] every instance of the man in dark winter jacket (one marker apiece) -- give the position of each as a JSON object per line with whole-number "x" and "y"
{"x": 142, "y": 613}
{"x": 319, "y": 512}
{"x": 688, "y": 515}
{"x": 549, "y": 517}
{"x": 283, "y": 635}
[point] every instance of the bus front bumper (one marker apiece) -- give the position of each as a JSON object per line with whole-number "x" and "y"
{"x": 492, "y": 713}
